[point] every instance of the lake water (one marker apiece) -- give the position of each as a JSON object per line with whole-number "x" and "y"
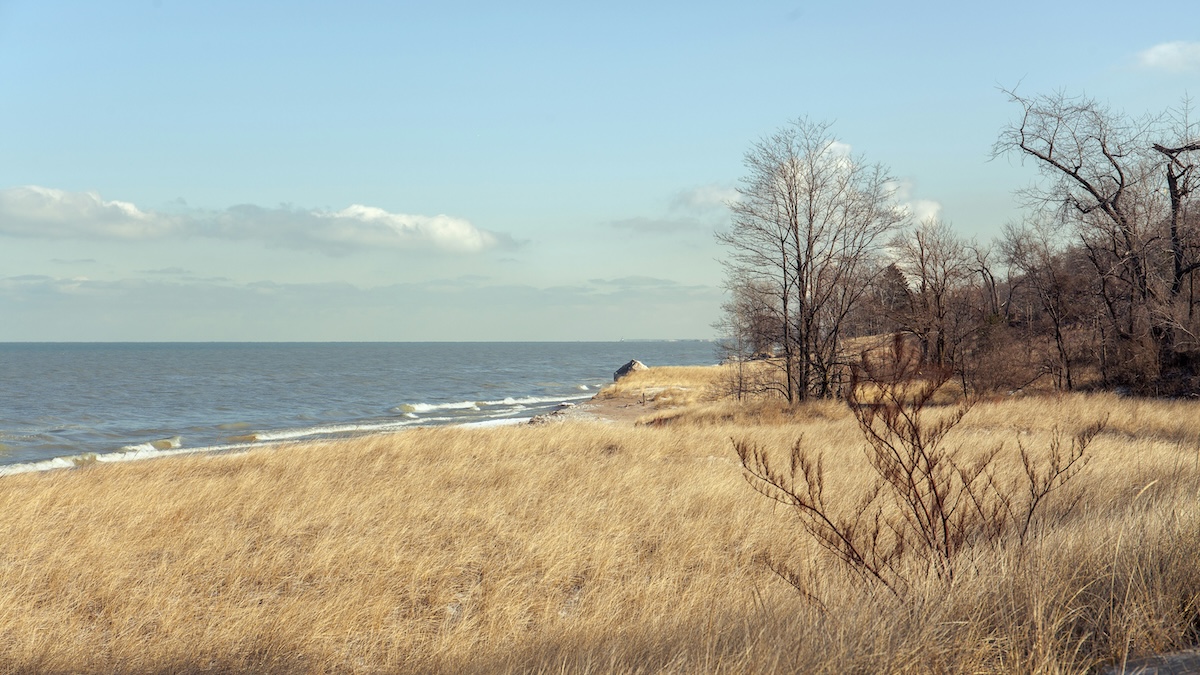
{"x": 63, "y": 401}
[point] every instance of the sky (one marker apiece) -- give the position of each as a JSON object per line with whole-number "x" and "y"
{"x": 396, "y": 171}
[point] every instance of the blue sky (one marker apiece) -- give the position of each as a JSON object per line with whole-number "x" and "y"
{"x": 465, "y": 171}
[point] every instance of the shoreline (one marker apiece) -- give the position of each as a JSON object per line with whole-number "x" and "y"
{"x": 620, "y": 410}
{"x": 71, "y": 403}
{"x": 616, "y": 409}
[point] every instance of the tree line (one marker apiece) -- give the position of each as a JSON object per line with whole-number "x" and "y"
{"x": 1094, "y": 288}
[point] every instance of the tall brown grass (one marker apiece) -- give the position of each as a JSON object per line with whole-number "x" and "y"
{"x": 584, "y": 547}
{"x": 668, "y": 386}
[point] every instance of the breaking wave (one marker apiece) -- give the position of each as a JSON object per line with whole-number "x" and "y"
{"x": 469, "y": 414}
{"x": 163, "y": 444}
{"x": 333, "y": 429}
{"x": 479, "y": 406}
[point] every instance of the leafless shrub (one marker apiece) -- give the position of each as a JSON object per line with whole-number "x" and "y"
{"x": 929, "y": 499}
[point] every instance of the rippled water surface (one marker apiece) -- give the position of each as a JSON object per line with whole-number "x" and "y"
{"x": 61, "y": 400}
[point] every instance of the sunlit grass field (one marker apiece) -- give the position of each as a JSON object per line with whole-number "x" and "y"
{"x": 589, "y": 547}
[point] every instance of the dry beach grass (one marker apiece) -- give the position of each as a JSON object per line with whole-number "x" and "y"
{"x": 586, "y": 547}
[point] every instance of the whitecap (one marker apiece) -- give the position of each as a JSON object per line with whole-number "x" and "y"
{"x": 430, "y": 407}
{"x": 304, "y": 432}
{"x": 534, "y": 400}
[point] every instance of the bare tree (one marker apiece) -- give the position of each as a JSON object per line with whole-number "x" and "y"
{"x": 809, "y": 222}
{"x": 1105, "y": 176}
{"x": 752, "y": 330}
{"x": 981, "y": 264}
{"x": 759, "y": 245}
{"x": 1040, "y": 256}
{"x": 937, "y": 264}
{"x": 1182, "y": 178}
{"x": 885, "y": 308}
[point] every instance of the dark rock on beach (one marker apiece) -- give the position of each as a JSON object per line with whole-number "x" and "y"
{"x": 628, "y": 368}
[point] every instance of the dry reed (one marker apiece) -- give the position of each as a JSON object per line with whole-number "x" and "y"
{"x": 583, "y": 547}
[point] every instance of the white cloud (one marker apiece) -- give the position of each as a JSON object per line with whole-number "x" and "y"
{"x": 839, "y": 148}
{"x": 704, "y": 198}
{"x": 691, "y": 211}
{"x": 923, "y": 209}
{"x": 355, "y": 227}
{"x": 1172, "y": 56}
{"x": 917, "y": 209}
{"x": 837, "y": 156}
{"x": 46, "y": 213}
{"x": 373, "y": 226}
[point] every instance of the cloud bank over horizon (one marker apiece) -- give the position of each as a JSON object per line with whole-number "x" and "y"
{"x": 467, "y": 307}
{"x": 46, "y": 213}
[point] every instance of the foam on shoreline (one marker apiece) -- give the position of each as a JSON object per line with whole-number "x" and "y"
{"x": 90, "y": 458}
{"x": 512, "y": 411}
